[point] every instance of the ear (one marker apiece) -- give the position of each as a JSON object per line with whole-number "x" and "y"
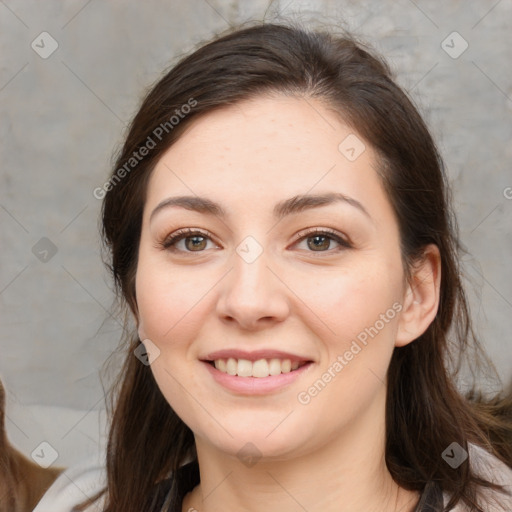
{"x": 421, "y": 297}
{"x": 132, "y": 304}
{"x": 141, "y": 332}
{"x": 141, "y": 329}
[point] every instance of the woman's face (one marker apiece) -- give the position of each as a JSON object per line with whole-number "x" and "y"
{"x": 301, "y": 298}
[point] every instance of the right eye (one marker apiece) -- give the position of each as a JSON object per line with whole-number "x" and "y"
{"x": 193, "y": 241}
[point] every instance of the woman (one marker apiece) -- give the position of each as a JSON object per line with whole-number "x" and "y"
{"x": 280, "y": 228}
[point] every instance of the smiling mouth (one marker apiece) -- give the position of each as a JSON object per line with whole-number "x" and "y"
{"x": 260, "y": 368}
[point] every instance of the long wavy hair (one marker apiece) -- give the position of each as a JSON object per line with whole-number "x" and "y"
{"x": 425, "y": 411}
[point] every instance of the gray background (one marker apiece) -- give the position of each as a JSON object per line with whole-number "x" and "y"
{"x": 61, "y": 118}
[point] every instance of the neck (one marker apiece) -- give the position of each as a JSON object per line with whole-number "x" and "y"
{"x": 348, "y": 473}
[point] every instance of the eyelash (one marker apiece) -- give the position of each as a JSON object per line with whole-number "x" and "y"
{"x": 169, "y": 242}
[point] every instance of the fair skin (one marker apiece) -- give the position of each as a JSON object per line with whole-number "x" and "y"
{"x": 307, "y": 299}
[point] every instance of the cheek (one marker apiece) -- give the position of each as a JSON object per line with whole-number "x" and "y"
{"x": 167, "y": 300}
{"x": 169, "y": 304}
{"x": 357, "y": 312}
{"x": 348, "y": 301}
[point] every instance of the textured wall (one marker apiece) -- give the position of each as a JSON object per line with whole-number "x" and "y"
{"x": 62, "y": 113}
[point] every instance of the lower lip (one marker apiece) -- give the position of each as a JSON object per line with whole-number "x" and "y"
{"x": 256, "y": 385}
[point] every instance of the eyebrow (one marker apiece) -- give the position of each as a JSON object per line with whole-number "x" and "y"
{"x": 282, "y": 209}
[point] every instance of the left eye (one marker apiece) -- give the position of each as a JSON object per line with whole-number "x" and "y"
{"x": 320, "y": 241}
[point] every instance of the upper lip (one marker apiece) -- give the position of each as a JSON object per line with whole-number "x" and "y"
{"x": 254, "y": 355}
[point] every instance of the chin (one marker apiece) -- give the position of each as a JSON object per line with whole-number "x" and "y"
{"x": 260, "y": 439}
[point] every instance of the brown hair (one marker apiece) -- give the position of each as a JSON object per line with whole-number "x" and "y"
{"x": 7, "y": 474}
{"x": 22, "y": 482}
{"x": 425, "y": 412}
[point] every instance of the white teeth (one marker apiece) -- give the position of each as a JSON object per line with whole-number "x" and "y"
{"x": 231, "y": 366}
{"x": 274, "y": 367}
{"x": 260, "y": 368}
{"x": 220, "y": 364}
{"x": 244, "y": 368}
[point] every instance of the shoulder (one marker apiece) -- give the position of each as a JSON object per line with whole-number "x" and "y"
{"x": 87, "y": 479}
{"x": 73, "y": 486}
{"x": 493, "y": 469}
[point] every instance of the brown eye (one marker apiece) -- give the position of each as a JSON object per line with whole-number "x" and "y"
{"x": 197, "y": 243}
{"x": 186, "y": 241}
{"x": 321, "y": 241}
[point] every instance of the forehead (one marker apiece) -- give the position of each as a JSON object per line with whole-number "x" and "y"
{"x": 268, "y": 147}
{"x": 267, "y": 126}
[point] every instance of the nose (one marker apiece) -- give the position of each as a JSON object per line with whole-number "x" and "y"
{"x": 253, "y": 295}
